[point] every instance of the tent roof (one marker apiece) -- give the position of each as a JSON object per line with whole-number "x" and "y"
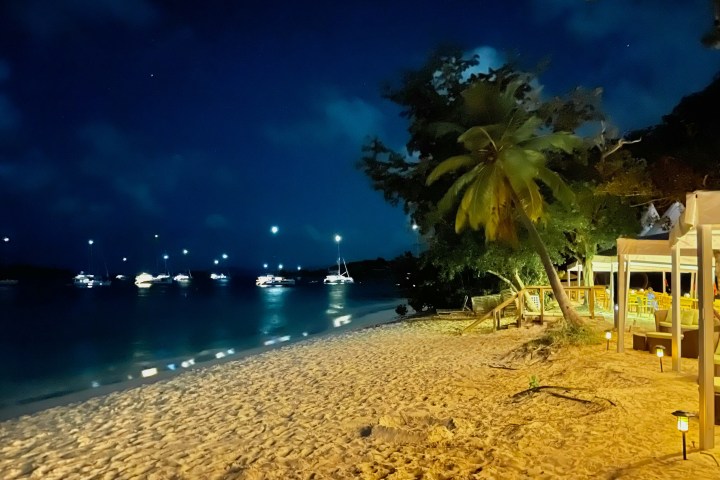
{"x": 702, "y": 207}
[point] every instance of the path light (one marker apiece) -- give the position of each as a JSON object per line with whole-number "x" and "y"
{"x": 660, "y": 352}
{"x": 682, "y": 425}
{"x": 608, "y": 337}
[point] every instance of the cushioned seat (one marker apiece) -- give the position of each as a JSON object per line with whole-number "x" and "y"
{"x": 654, "y": 339}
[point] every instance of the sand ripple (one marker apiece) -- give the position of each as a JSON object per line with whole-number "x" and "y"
{"x": 408, "y": 400}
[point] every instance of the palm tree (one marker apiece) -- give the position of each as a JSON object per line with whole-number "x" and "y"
{"x": 498, "y": 175}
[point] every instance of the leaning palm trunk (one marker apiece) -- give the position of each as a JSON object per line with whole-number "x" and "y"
{"x": 569, "y": 314}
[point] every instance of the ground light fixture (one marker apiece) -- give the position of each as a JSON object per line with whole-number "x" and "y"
{"x": 660, "y": 352}
{"x": 682, "y": 426}
{"x": 608, "y": 337}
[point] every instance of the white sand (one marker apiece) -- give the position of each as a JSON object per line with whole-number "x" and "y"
{"x": 400, "y": 401}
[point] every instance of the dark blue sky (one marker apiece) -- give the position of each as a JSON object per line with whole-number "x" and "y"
{"x": 208, "y": 122}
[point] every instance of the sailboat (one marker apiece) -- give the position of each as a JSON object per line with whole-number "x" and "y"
{"x": 340, "y": 277}
{"x": 88, "y": 280}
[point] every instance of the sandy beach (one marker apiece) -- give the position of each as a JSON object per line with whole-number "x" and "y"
{"x": 407, "y": 400}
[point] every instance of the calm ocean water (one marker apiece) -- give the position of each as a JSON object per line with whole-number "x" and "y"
{"x": 60, "y": 339}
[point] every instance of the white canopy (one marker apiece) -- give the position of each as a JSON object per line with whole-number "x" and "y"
{"x": 689, "y": 248}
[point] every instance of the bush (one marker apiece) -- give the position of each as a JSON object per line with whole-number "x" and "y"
{"x": 401, "y": 310}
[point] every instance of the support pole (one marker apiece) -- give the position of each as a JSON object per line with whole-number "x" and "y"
{"x": 706, "y": 368}
{"x": 675, "y": 308}
{"x": 622, "y": 303}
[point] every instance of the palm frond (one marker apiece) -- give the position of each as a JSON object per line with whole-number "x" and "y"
{"x": 518, "y": 162}
{"x": 566, "y": 142}
{"x": 527, "y": 129}
{"x": 531, "y": 200}
{"x": 448, "y": 200}
{"x": 450, "y": 165}
{"x": 488, "y": 103}
{"x": 477, "y": 138}
{"x": 559, "y": 188}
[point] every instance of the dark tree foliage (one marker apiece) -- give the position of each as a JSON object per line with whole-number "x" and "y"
{"x": 431, "y": 100}
{"x": 683, "y": 152}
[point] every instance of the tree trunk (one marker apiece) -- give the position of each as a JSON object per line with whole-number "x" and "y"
{"x": 512, "y": 286}
{"x": 569, "y": 313}
{"x": 526, "y": 295}
{"x": 589, "y": 280}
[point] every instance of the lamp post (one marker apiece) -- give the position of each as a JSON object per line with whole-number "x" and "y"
{"x": 165, "y": 258}
{"x": 660, "y": 352}
{"x": 608, "y": 337}
{"x": 682, "y": 426}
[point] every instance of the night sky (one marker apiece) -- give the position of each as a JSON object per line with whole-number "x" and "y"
{"x": 206, "y": 123}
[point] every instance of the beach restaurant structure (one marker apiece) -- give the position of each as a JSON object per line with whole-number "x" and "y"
{"x": 689, "y": 248}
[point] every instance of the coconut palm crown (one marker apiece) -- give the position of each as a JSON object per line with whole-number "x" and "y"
{"x": 504, "y": 161}
{"x": 498, "y": 175}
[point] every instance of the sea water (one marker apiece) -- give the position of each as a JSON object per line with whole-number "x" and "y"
{"x": 60, "y": 339}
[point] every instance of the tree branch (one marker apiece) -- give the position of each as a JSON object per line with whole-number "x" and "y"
{"x": 617, "y": 146}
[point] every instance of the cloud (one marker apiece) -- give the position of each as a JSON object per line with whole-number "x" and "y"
{"x": 45, "y": 18}
{"x": 348, "y": 120}
{"x": 140, "y": 193}
{"x": 655, "y": 55}
{"x": 315, "y": 234}
{"x": 29, "y": 175}
{"x": 217, "y": 221}
{"x": 488, "y": 58}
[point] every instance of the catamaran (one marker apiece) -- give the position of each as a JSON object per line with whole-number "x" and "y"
{"x": 340, "y": 277}
{"x": 274, "y": 281}
{"x": 145, "y": 280}
{"x": 83, "y": 280}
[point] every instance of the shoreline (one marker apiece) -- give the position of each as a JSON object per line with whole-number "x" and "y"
{"x": 409, "y": 399}
{"x": 25, "y": 407}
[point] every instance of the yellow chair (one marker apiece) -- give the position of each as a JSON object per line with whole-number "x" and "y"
{"x": 664, "y": 301}
{"x": 688, "y": 303}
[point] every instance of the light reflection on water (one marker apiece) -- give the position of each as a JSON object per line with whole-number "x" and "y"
{"x": 337, "y": 297}
{"x": 107, "y": 335}
{"x": 273, "y": 301}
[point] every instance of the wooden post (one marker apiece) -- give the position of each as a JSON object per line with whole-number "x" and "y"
{"x": 591, "y": 299}
{"x": 622, "y": 303}
{"x": 706, "y": 367}
{"x": 675, "y": 308}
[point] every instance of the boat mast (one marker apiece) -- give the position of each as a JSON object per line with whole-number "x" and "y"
{"x": 337, "y": 240}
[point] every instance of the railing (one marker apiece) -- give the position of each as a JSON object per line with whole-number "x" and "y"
{"x": 538, "y": 294}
